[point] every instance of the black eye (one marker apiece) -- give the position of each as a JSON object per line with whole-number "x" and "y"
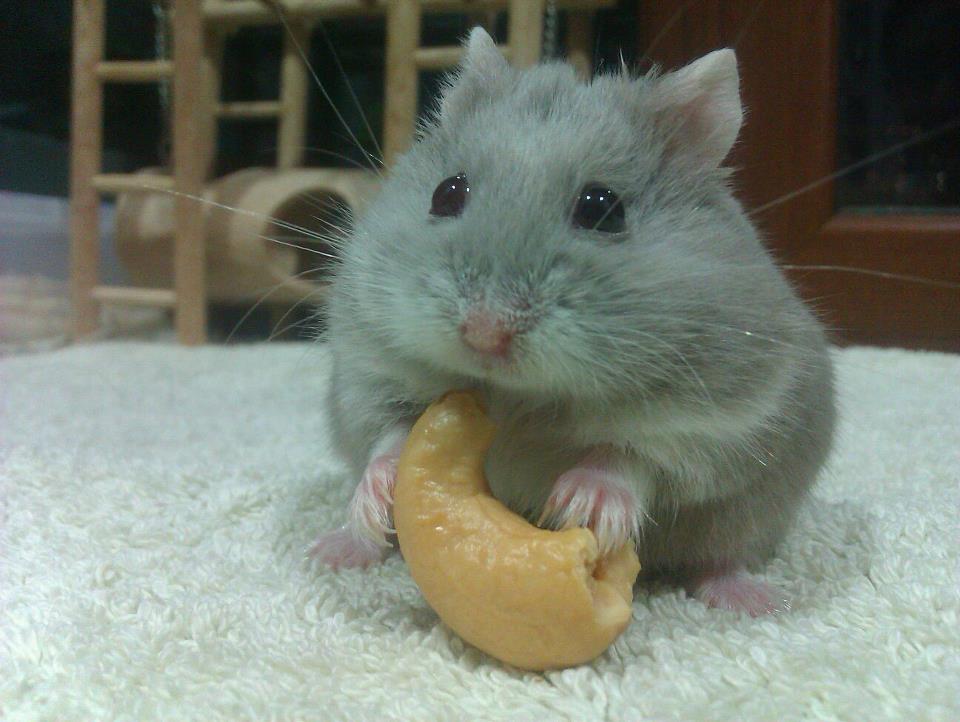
{"x": 598, "y": 209}
{"x": 450, "y": 197}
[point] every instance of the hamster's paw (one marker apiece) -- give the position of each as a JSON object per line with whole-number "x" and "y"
{"x": 595, "y": 498}
{"x": 735, "y": 591}
{"x": 370, "y": 507}
{"x": 362, "y": 541}
{"x": 343, "y": 548}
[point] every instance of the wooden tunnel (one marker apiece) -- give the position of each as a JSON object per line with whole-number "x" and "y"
{"x": 259, "y": 231}
{"x": 181, "y": 252}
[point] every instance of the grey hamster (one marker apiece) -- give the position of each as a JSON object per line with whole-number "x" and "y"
{"x": 573, "y": 250}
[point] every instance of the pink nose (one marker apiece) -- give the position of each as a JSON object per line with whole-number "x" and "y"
{"x": 487, "y": 334}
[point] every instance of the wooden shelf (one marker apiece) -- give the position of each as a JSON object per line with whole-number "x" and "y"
{"x": 256, "y": 12}
{"x": 250, "y": 109}
{"x": 439, "y": 58}
{"x": 131, "y": 183}
{"x": 134, "y": 71}
{"x": 159, "y": 297}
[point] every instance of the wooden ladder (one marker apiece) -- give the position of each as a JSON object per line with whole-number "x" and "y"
{"x": 87, "y": 181}
{"x": 289, "y": 109}
{"x": 406, "y": 58}
{"x": 199, "y": 28}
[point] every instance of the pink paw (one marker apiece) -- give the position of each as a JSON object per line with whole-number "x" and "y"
{"x": 596, "y": 499}
{"x": 363, "y": 539}
{"x": 737, "y": 592}
{"x": 369, "y": 511}
{"x": 343, "y": 549}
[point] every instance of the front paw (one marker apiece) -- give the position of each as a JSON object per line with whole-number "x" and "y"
{"x": 597, "y": 499}
{"x": 372, "y": 502}
{"x": 363, "y": 539}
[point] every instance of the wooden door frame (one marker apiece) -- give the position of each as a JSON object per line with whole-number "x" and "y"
{"x": 788, "y": 61}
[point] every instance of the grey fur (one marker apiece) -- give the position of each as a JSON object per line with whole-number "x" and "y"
{"x": 679, "y": 344}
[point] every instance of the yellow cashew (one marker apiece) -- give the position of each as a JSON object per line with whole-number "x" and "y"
{"x": 533, "y": 598}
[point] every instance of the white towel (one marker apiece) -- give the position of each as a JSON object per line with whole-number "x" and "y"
{"x": 157, "y": 500}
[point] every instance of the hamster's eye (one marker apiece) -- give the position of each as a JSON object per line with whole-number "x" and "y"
{"x": 450, "y": 197}
{"x": 598, "y": 209}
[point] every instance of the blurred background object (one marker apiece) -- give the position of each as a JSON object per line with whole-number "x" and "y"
{"x": 827, "y": 83}
{"x": 256, "y": 46}
{"x": 849, "y": 157}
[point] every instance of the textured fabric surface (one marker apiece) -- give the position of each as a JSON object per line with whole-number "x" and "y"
{"x": 156, "y": 502}
{"x": 35, "y": 314}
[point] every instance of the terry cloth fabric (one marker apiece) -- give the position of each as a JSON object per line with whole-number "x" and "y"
{"x": 156, "y": 502}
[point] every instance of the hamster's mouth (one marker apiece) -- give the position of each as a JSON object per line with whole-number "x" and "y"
{"x": 495, "y": 364}
{"x": 516, "y": 372}
{"x": 491, "y": 368}
{"x": 508, "y": 372}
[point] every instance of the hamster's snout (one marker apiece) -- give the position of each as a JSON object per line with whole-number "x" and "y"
{"x": 487, "y": 333}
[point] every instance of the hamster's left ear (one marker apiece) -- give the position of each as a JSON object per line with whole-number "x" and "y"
{"x": 482, "y": 59}
{"x": 699, "y": 106}
{"x": 481, "y": 66}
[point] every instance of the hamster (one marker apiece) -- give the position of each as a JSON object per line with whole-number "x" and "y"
{"x": 573, "y": 250}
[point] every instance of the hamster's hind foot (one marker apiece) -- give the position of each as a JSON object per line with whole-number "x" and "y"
{"x": 733, "y": 590}
{"x": 343, "y": 548}
{"x": 362, "y": 541}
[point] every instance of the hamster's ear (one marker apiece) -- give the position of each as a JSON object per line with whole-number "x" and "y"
{"x": 699, "y": 106}
{"x": 482, "y": 59}
{"x": 482, "y": 64}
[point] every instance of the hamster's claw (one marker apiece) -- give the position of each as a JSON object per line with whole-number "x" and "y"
{"x": 597, "y": 499}
{"x": 735, "y": 591}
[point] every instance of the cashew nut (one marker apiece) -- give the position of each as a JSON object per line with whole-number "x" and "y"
{"x": 533, "y": 598}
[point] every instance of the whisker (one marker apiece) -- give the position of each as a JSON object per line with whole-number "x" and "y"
{"x": 892, "y": 150}
{"x": 683, "y": 359}
{"x": 263, "y": 298}
{"x": 665, "y": 29}
{"x": 341, "y": 156}
{"x": 275, "y": 333}
{"x": 290, "y": 326}
{"x": 748, "y": 22}
{"x": 286, "y": 225}
{"x": 323, "y": 90}
{"x": 872, "y": 272}
{"x": 353, "y": 95}
{"x": 329, "y": 205}
{"x": 324, "y": 151}
{"x": 297, "y": 246}
{"x": 322, "y": 204}
{"x": 242, "y": 211}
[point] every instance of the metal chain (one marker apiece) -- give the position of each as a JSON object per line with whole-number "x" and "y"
{"x": 551, "y": 30}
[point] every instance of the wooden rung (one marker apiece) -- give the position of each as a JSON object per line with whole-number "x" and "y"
{"x": 439, "y": 58}
{"x": 131, "y": 182}
{"x": 162, "y": 297}
{"x": 258, "y": 12}
{"x": 134, "y": 71}
{"x": 250, "y": 109}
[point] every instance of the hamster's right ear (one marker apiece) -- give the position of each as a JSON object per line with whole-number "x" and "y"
{"x": 699, "y": 106}
{"x": 481, "y": 66}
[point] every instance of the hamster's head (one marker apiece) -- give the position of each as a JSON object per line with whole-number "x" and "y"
{"x": 556, "y": 236}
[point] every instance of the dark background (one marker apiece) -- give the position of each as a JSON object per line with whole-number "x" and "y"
{"x": 35, "y": 87}
{"x": 826, "y": 83}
